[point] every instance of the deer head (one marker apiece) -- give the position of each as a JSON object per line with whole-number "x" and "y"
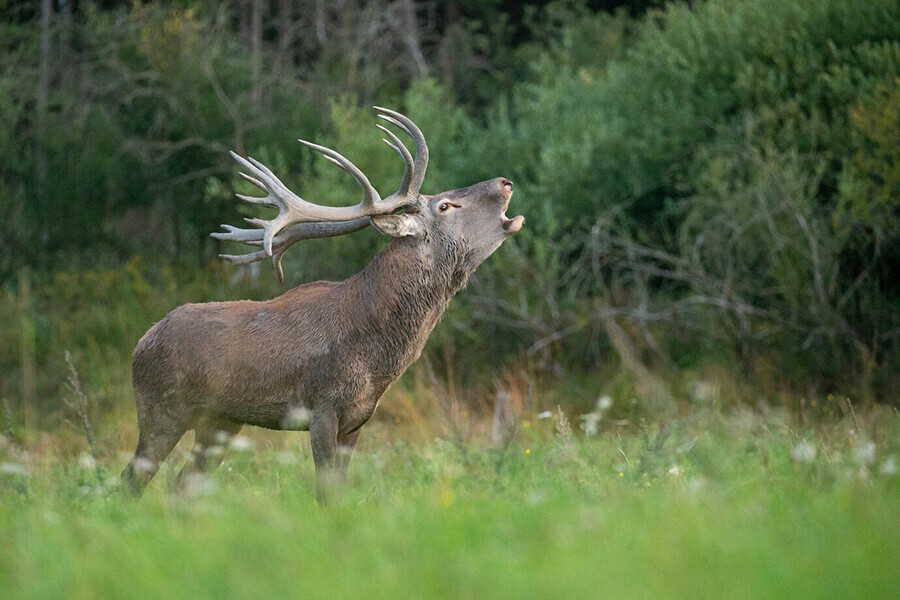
{"x": 469, "y": 222}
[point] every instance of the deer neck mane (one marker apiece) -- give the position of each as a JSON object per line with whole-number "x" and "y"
{"x": 403, "y": 293}
{"x": 412, "y": 279}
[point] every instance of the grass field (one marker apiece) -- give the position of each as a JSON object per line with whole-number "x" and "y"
{"x": 742, "y": 504}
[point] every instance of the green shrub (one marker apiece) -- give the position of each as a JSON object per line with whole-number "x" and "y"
{"x": 731, "y": 175}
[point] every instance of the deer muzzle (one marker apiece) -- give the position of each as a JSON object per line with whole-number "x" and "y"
{"x": 510, "y": 226}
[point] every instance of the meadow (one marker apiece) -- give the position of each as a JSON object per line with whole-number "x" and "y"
{"x": 697, "y": 330}
{"x": 716, "y": 502}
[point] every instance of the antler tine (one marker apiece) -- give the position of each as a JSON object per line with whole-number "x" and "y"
{"x": 263, "y": 178}
{"x": 420, "y": 163}
{"x": 252, "y": 257}
{"x": 400, "y": 149}
{"x": 284, "y": 240}
{"x": 370, "y": 195}
{"x": 277, "y": 195}
{"x": 253, "y": 180}
{"x": 236, "y": 234}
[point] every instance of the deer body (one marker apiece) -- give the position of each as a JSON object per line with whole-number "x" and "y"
{"x": 320, "y": 356}
{"x": 335, "y": 347}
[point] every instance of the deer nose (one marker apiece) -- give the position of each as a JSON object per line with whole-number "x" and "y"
{"x": 506, "y": 184}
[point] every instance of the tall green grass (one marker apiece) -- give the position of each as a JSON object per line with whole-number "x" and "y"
{"x": 710, "y": 505}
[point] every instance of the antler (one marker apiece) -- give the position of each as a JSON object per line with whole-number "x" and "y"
{"x": 299, "y": 220}
{"x": 414, "y": 173}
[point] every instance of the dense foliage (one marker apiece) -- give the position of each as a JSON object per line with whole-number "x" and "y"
{"x": 707, "y": 182}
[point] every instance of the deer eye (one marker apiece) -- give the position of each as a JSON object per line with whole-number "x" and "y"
{"x": 444, "y": 206}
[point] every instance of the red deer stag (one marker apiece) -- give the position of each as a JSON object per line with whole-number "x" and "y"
{"x": 319, "y": 357}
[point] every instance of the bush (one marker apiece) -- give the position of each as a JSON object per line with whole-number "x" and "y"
{"x": 735, "y": 168}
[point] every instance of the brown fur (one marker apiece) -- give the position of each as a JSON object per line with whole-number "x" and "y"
{"x": 327, "y": 350}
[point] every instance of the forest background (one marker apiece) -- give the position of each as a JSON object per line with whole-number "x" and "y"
{"x": 712, "y": 189}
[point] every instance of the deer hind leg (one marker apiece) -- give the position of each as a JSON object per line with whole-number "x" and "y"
{"x": 345, "y": 445}
{"x": 212, "y": 437}
{"x": 155, "y": 442}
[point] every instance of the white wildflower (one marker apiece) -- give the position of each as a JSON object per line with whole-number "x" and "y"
{"x": 694, "y": 485}
{"x": 86, "y": 461}
{"x": 702, "y": 392}
{"x": 296, "y": 419}
{"x": 803, "y": 452}
{"x": 221, "y": 437}
{"x": 13, "y": 469}
{"x": 604, "y": 403}
{"x": 674, "y": 470}
{"x": 214, "y": 451}
{"x": 88, "y": 489}
{"x": 143, "y": 465}
{"x": 545, "y": 415}
{"x": 590, "y": 423}
{"x": 285, "y": 457}
{"x": 536, "y": 497}
{"x": 241, "y": 444}
{"x": 198, "y": 484}
{"x": 888, "y": 467}
{"x": 865, "y": 453}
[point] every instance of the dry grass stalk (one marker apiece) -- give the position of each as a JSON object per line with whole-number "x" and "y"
{"x": 503, "y": 428}
{"x": 8, "y": 420}
{"x": 80, "y": 404}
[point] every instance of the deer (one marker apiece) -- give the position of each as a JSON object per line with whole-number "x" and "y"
{"x": 321, "y": 356}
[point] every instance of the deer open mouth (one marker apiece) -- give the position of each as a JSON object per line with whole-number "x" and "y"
{"x": 513, "y": 225}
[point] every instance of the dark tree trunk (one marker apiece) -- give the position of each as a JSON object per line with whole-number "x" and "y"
{"x": 321, "y": 31}
{"x": 285, "y": 34}
{"x": 40, "y": 129}
{"x": 256, "y": 48}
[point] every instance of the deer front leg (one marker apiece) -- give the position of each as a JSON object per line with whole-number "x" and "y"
{"x": 323, "y": 429}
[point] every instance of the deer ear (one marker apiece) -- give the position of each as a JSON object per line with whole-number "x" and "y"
{"x": 398, "y": 225}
